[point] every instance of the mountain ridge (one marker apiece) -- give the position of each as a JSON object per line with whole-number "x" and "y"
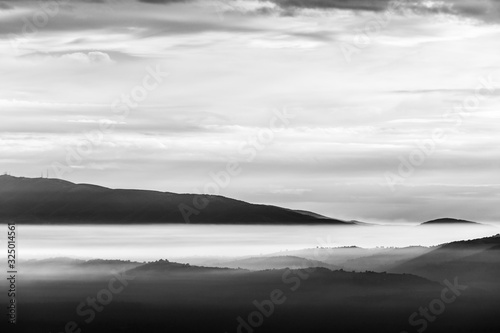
{"x": 56, "y": 201}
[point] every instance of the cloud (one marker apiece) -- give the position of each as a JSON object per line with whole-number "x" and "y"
{"x": 5, "y": 6}
{"x": 290, "y": 191}
{"x": 488, "y": 10}
{"x": 94, "y": 57}
{"x": 374, "y": 5}
{"x": 485, "y": 10}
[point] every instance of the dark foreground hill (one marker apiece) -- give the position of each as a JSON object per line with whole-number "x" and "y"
{"x": 40, "y": 200}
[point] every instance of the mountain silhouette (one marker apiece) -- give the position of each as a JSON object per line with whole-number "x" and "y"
{"x": 263, "y": 263}
{"x": 384, "y": 260}
{"x": 448, "y": 220}
{"x": 164, "y": 266}
{"x": 476, "y": 262}
{"x": 46, "y": 201}
{"x": 54, "y": 268}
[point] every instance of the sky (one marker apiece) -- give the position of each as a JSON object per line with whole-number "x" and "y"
{"x": 367, "y": 110}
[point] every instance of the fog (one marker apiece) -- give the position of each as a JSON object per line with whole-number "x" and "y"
{"x": 152, "y": 242}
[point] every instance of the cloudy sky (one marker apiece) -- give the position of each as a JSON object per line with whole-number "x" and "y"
{"x": 360, "y": 86}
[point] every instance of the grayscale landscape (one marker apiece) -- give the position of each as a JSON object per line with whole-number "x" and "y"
{"x": 250, "y": 166}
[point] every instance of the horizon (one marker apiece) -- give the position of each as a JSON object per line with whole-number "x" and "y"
{"x": 281, "y": 253}
{"x": 384, "y": 222}
{"x": 187, "y": 240}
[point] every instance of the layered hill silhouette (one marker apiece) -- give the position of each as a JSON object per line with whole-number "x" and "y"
{"x": 164, "y": 295}
{"x": 335, "y": 256}
{"x": 75, "y": 269}
{"x": 46, "y": 201}
{"x": 181, "y": 297}
{"x": 448, "y": 221}
{"x": 263, "y": 263}
{"x": 476, "y": 262}
{"x": 165, "y": 267}
{"x": 384, "y": 260}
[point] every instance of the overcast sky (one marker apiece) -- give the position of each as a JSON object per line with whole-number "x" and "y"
{"x": 365, "y": 83}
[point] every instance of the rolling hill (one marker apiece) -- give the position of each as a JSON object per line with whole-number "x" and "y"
{"x": 55, "y": 201}
{"x": 448, "y": 220}
{"x": 476, "y": 262}
{"x": 263, "y": 263}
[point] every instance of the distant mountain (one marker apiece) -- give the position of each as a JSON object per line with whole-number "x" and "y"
{"x": 64, "y": 267}
{"x": 492, "y": 242}
{"x": 448, "y": 220}
{"x": 262, "y": 263}
{"x": 166, "y": 267}
{"x": 46, "y": 201}
{"x": 476, "y": 262}
{"x": 385, "y": 260}
{"x": 335, "y": 256}
{"x": 363, "y": 223}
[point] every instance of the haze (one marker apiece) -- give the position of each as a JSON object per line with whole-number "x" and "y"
{"x": 153, "y": 242}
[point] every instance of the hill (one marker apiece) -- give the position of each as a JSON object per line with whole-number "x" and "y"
{"x": 385, "y": 260}
{"x": 448, "y": 220}
{"x": 55, "y": 201}
{"x": 476, "y": 262}
{"x": 75, "y": 269}
{"x": 263, "y": 263}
